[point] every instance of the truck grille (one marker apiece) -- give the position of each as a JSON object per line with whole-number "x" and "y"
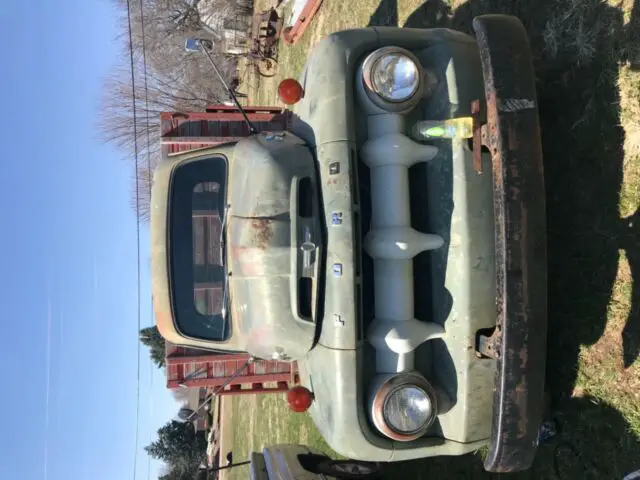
{"x": 362, "y": 221}
{"x": 390, "y": 245}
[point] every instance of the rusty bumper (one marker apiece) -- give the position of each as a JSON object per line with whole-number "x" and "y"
{"x": 512, "y": 134}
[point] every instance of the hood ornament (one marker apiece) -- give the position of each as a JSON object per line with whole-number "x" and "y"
{"x": 307, "y": 248}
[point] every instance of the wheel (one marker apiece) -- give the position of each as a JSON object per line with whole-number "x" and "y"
{"x": 349, "y": 469}
{"x": 267, "y": 67}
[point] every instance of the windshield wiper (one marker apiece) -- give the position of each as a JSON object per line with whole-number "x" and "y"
{"x": 224, "y": 311}
{"x": 221, "y": 242}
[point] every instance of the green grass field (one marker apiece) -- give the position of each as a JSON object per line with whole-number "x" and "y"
{"x": 587, "y": 60}
{"x": 260, "y": 420}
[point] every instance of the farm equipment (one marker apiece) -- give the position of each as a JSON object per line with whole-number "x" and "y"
{"x": 301, "y": 16}
{"x": 400, "y": 262}
{"x": 263, "y": 54}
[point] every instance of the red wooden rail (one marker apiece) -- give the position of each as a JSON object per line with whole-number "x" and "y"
{"x": 196, "y": 368}
{"x": 183, "y": 131}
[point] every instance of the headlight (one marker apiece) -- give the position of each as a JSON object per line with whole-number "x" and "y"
{"x": 403, "y": 406}
{"x": 407, "y": 409}
{"x": 395, "y": 77}
{"x": 392, "y": 78}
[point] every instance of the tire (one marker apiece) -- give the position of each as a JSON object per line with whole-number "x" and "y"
{"x": 349, "y": 469}
{"x": 267, "y": 67}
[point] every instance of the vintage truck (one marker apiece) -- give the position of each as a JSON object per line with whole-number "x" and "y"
{"x": 406, "y": 277}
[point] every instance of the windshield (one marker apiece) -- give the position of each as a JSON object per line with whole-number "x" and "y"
{"x": 197, "y": 271}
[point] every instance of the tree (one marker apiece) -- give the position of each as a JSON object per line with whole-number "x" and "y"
{"x": 185, "y": 413}
{"x": 180, "y": 447}
{"x": 167, "y": 23}
{"x": 175, "y": 80}
{"x": 150, "y": 336}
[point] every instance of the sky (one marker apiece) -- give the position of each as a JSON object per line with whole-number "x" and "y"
{"x": 68, "y": 257}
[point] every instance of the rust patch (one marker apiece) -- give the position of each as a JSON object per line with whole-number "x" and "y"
{"x": 477, "y": 137}
{"x": 261, "y": 232}
{"x": 490, "y": 346}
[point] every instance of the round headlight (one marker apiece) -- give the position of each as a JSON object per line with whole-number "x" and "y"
{"x": 395, "y": 77}
{"x": 403, "y": 406}
{"x": 408, "y": 409}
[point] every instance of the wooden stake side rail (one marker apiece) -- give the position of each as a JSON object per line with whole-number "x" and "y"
{"x": 197, "y": 140}
{"x": 184, "y": 131}
{"x": 194, "y": 368}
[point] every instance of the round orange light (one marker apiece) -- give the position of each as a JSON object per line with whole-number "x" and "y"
{"x": 290, "y": 91}
{"x": 299, "y": 399}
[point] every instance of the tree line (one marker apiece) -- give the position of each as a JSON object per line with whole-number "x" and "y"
{"x": 178, "y": 444}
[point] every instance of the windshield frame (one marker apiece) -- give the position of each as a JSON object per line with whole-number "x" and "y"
{"x": 189, "y": 322}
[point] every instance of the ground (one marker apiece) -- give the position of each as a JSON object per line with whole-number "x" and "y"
{"x": 259, "y": 420}
{"x": 587, "y": 60}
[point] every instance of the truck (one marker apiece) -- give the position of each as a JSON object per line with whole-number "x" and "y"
{"x": 402, "y": 267}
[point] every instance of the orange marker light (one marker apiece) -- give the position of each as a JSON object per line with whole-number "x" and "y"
{"x": 290, "y": 91}
{"x": 299, "y": 399}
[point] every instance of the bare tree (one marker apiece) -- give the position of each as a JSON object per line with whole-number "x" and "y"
{"x": 175, "y": 80}
{"x": 168, "y": 22}
{"x": 163, "y": 94}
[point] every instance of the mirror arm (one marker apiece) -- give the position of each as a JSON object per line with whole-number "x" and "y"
{"x": 252, "y": 128}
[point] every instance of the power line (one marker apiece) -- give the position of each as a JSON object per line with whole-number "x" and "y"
{"x": 149, "y": 183}
{"x": 139, "y": 314}
{"x": 146, "y": 99}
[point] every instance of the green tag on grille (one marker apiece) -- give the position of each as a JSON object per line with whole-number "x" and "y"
{"x": 435, "y": 132}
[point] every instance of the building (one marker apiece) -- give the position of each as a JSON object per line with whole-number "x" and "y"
{"x": 230, "y": 24}
{"x": 194, "y": 399}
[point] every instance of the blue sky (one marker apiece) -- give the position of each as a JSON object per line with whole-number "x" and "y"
{"x": 68, "y": 256}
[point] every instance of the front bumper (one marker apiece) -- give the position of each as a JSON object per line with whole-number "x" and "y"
{"x": 512, "y": 134}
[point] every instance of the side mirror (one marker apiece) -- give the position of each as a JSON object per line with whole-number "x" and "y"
{"x": 192, "y": 45}
{"x": 229, "y": 458}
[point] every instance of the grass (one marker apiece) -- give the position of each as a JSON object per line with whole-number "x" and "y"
{"x": 587, "y": 61}
{"x": 260, "y": 420}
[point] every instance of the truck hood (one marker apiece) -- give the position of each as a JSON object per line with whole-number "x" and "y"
{"x": 274, "y": 245}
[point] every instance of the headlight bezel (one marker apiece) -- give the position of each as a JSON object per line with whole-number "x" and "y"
{"x": 388, "y": 398}
{"x": 382, "y": 392}
{"x": 366, "y": 76}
